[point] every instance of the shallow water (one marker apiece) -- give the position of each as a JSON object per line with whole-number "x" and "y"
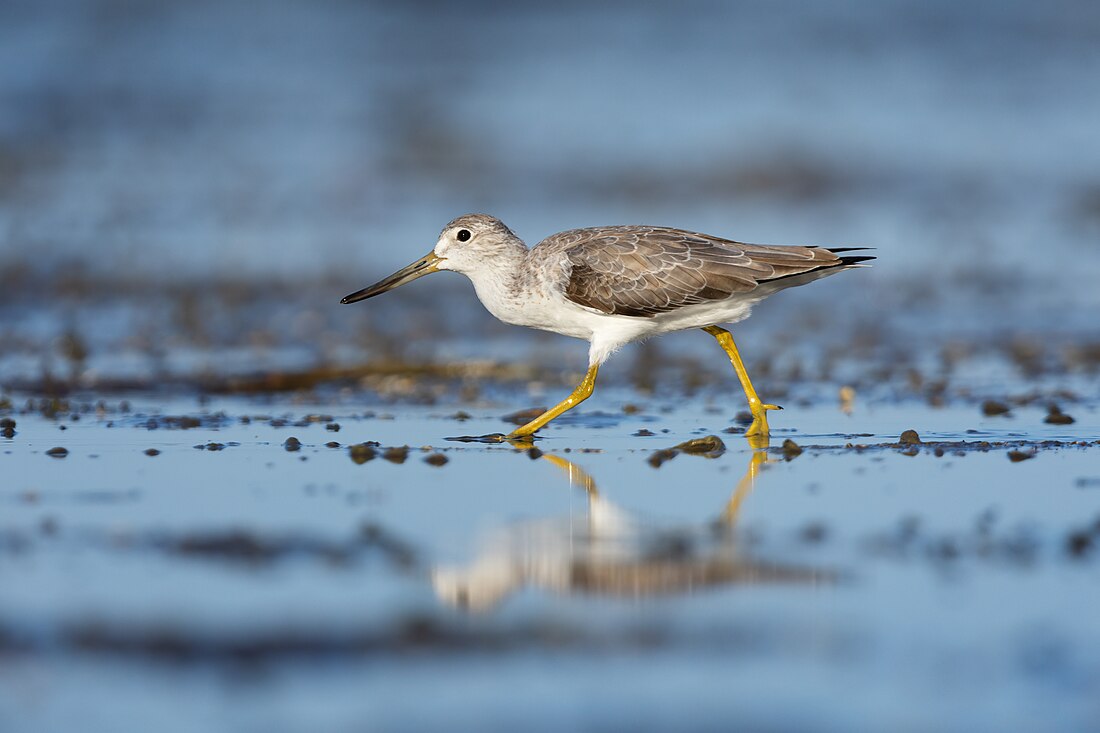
{"x": 282, "y": 589}
{"x": 186, "y": 192}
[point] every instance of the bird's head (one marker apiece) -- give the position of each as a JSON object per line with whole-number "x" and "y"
{"x": 464, "y": 245}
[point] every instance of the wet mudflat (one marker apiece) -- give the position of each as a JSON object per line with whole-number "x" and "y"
{"x": 283, "y": 560}
{"x": 228, "y": 502}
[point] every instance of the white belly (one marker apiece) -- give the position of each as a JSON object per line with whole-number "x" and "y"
{"x": 607, "y": 333}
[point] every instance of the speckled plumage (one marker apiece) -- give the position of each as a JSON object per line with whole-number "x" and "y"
{"x": 613, "y": 285}
{"x": 642, "y": 271}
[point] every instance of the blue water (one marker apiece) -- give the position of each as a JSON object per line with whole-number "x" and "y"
{"x": 870, "y": 631}
{"x": 216, "y": 140}
{"x": 187, "y": 190}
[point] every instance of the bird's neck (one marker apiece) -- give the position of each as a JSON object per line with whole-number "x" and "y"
{"x": 498, "y": 282}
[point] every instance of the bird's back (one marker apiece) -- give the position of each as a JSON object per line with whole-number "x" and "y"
{"x": 643, "y": 271}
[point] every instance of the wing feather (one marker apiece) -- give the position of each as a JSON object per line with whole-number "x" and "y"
{"x": 643, "y": 271}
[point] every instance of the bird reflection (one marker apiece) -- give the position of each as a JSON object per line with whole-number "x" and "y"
{"x": 611, "y": 552}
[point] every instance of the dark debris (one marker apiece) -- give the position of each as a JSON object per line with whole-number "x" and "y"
{"x": 396, "y": 454}
{"x": 360, "y": 453}
{"x": 1055, "y": 416}
{"x": 435, "y": 459}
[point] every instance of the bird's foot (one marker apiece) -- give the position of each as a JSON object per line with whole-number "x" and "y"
{"x": 759, "y": 424}
{"x": 521, "y": 440}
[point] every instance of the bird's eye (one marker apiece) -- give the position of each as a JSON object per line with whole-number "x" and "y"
{"x": 463, "y": 235}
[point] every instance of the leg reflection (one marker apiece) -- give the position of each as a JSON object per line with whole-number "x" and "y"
{"x": 609, "y": 551}
{"x": 577, "y": 475}
{"x": 759, "y": 446}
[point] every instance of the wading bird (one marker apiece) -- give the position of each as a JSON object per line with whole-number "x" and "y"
{"x": 613, "y": 285}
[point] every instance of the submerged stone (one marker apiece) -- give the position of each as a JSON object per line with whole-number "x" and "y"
{"x": 1055, "y": 416}
{"x": 360, "y": 453}
{"x": 710, "y": 446}
{"x": 791, "y": 449}
{"x": 396, "y": 454}
{"x": 910, "y": 437}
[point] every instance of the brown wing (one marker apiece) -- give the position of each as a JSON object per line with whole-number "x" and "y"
{"x": 643, "y": 271}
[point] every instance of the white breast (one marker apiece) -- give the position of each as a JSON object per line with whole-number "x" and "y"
{"x": 538, "y": 302}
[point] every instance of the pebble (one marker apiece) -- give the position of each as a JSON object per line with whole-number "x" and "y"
{"x": 396, "y": 454}
{"x": 360, "y": 453}
{"x": 910, "y": 437}
{"x": 710, "y": 446}
{"x": 791, "y": 449}
{"x": 1055, "y": 416}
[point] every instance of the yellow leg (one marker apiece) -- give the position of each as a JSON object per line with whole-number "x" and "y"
{"x": 756, "y": 406}
{"x": 579, "y": 395}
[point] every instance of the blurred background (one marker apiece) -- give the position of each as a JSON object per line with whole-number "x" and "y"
{"x": 209, "y": 178}
{"x": 208, "y": 491}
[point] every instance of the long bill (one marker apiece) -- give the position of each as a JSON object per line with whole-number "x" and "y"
{"x": 424, "y": 266}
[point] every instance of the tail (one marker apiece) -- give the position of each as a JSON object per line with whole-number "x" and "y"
{"x": 844, "y": 262}
{"x": 851, "y": 260}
